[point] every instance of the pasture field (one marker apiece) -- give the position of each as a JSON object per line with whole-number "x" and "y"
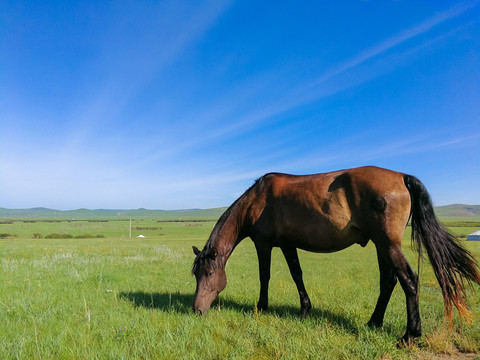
{"x": 98, "y": 294}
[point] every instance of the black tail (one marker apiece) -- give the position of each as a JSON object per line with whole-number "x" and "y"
{"x": 453, "y": 265}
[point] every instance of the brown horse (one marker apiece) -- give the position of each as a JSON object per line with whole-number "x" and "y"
{"x": 330, "y": 212}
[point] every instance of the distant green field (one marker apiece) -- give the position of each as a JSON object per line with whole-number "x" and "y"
{"x": 115, "y": 297}
{"x": 26, "y": 229}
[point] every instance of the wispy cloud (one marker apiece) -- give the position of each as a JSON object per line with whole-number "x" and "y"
{"x": 230, "y": 124}
{"x": 360, "y": 150}
{"x": 128, "y": 70}
{"x": 396, "y": 40}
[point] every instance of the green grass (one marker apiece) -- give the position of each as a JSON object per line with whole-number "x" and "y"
{"x": 121, "y": 298}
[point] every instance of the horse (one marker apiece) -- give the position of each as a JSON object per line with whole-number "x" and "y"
{"x": 329, "y": 212}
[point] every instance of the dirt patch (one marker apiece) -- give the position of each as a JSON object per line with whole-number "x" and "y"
{"x": 456, "y": 356}
{"x": 460, "y": 356}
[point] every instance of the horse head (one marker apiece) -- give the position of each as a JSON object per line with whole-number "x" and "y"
{"x": 211, "y": 279}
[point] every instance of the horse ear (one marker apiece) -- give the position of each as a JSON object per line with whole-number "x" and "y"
{"x": 195, "y": 250}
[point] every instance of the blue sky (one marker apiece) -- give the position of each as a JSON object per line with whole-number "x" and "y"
{"x": 183, "y": 104}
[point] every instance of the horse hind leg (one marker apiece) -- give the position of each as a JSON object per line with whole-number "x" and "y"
{"x": 291, "y": 256}
{"x": 388, "y": 280}
{"x": 409, "y": 282}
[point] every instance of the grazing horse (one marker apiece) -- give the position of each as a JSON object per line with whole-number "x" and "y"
{"x": 329, "y": 212}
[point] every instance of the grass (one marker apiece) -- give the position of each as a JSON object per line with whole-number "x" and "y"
{"x": 121, "y": 298}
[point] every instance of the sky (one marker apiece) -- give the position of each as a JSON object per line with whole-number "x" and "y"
{"x": 183, "y": 104}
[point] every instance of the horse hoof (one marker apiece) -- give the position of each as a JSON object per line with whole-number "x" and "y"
{"x": 262, "y": 307}
{"x": 304, "y": 312}
{"x": 407, "y": 340}
{"x": 374, "y": 325}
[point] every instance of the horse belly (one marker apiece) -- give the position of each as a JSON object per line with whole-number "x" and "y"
{"x": 318, "y": 231}
{"x": 324, "y": 239}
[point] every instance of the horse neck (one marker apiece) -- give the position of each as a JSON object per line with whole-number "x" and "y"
{"x": 229, "y": 230}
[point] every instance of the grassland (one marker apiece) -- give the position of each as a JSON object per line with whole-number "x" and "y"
{"x": 115, "y": 297}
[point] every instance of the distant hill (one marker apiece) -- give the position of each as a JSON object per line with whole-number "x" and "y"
{"x": 42, "y": 213}
{"x": 455, "y": 210}
{"x": 458, "y": 210}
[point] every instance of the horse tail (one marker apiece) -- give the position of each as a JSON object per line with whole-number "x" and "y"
{"x": 453, "y": 265}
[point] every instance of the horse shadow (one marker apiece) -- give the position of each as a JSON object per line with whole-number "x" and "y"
{"x": 182, "y": 303}
{"x": 166, "y": 302}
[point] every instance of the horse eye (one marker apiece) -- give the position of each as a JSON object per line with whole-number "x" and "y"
{"x": 210, "y": 274}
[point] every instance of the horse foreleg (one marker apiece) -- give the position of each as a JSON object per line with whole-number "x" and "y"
{"x": 388, "y": 280}
{"x": 409, "y": 282}
{"x": 291, "y": 256}
{"x": 264, "y": 260}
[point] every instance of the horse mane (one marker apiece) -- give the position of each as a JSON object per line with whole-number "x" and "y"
{"x": 233, "y": 210}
